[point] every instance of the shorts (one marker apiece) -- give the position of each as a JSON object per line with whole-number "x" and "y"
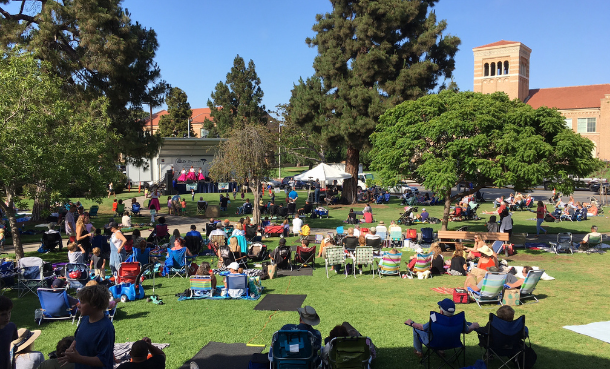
{"x": 99, "y": 273}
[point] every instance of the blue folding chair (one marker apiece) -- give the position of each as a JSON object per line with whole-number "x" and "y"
{"x": 142, "y": 257}
{"x": 293, "y": 349}
{"x": 175, "y": 263}
{"x": 445, "y": 333}
{"x": 135, "y": 209}
{"x": 237, "y": 282}
{"x": 505, "y": 339}
{"x": 54, "y": 304}
{"x": 427, "y": 235}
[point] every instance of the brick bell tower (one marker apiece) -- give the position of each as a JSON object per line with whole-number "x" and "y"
{"x": 502, "y": 66}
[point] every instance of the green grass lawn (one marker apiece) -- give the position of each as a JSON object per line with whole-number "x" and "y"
{"x": 377, "y": 308}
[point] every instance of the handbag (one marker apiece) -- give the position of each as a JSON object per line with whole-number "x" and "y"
{"x": 272, "y": 270}
{"x": 511, "y": 297}
{"x": 460, "y": 296}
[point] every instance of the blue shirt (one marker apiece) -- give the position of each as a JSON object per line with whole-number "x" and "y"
{"x": 176, "y": 198}
{"x": 195, "y": 233}
{"x": 95, "y": 339}
{"x": 293, "y": 194}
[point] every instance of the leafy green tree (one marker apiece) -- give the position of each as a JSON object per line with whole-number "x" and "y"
{"x": 372, "y": 55}
{"x": 238, "y": 101}
{"x": 46, "y": 138}
{"x": 249, "y": 162}
{"x": 451, "y": 137}
{"x": 175, "y": 123}
{"x": 97, "y": 51}
{"x": 297, "y": 144}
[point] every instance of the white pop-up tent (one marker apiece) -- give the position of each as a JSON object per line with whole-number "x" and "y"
{"x": 323, "y": 172}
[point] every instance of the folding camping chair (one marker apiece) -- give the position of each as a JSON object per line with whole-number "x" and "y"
{"x": 30, "y": 275}
{"x": 251, "y": 232}
{"x": 595, "y": 244}
{"x": 51, "y": 240}
{"x": 376, "y": 243}
{"x": 209, "y": 227}
{"x": 229, "y": 256}
{"x": 175, "y": 263}
{"x": 237, "y": 285}
{"x": 284, "y": 254}
{"x": 200, "y": 285}
{"x": 7, "y": 274}
{"x": 194, "y": 244}
{"x": 505, "y": 339}
{"x": 93, "y": 211}
{"x": 427, "y": 235}
{"x": 363, "y": 255}
{"x": 202, "y": 206}
{"x": 491, "y": 291}
{"x": 161, "y": 234}
{"x": 423, "y": 263}
{"x": 54, "y": 304}
{"x": 293, "y": 349}
{"x": 219, "y": 240}
{"x": 120, "y": 210}
{"x": 142, "y": 257}
{"x": 444, "y": 333}
{"x": 396, "y": 237}
{"x": 257, "y": 252}
{"x": 340, "y": 235}
{"x": 389, "y": 264}
{"x": 564, "y": 243}
{"x": 305, "y": 256}
{"x": 335, "y": 255}
{"x": 77, "y": 275}
{"x": 349, "y": 353}
{"x": 529, "y": 285}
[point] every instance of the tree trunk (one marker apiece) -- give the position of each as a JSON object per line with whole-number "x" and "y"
{"x": 446, "y": 210}
{"x": 40, "y": 202}
{"x": 256, "y": 213}
{"x": 10, "y": 213}
{"x": 350, "y": 186}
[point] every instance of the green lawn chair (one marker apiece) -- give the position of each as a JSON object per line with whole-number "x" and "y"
{"x": 349, "y": 353}
{"x": 389, "y": 264}
{"x": 530, "y": 283}
{"x": 335, "y": 255}
{"x": 491, "y": 291}
{"x": 120, "y": 209}
{"x": 93, "y": 211}
{"x": 595, "y": 244}
{"x": 363, "y": 255}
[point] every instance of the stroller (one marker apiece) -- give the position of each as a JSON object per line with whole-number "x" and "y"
{"x": 405, "y": 218}
{"x": 471, "y": 211}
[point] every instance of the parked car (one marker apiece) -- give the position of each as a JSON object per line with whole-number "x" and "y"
{"x": 287, "y": 181}
{"x": 271, "y": 181}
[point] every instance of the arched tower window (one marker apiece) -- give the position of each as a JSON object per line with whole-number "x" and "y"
{"x": 486, "y": 69}
{"x": 506, "y": 67}
{"x": 493, "y": 69}
{"x": 499, "y": 68}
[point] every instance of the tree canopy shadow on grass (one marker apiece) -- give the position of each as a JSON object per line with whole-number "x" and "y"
{"x": 389, "y": 357}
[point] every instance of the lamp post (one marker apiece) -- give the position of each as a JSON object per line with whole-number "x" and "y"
{"x": 279, "y": 151}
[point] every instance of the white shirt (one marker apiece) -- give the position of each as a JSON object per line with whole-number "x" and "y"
{"x": 75, "y": 257}
{"x": 357, "y": 232}
{"x": 297, "y": 223}
{"x": 126, "y": 221}
{"x": 506, "y": 224}
{"x": 218, "y": 232}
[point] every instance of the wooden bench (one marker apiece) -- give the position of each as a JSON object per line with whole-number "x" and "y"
{"x": 451, "y": 236}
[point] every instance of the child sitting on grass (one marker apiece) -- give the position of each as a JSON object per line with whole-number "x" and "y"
{"x": 115, "y": 205}
{"x": 94, "y": 339}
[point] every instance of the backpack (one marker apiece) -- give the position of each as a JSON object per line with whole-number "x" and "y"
{"x": 509, "y": 249}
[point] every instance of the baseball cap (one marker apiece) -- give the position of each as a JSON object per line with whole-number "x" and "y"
{"x": 447, "y": 306}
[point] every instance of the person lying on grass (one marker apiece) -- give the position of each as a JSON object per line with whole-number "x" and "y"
{"x": 140, "y": 356}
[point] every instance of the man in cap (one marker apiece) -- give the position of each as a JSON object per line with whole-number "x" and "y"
{"x": 447, "y": 308}
{"x": 423, "y": 216}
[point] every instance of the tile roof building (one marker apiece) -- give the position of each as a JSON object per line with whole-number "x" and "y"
{"x": 504, "y": 66}
{"x": 198, "y": 118}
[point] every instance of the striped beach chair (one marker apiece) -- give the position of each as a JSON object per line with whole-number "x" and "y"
{"x": 491, "y": 290}
{"x": 530, "y": 283}
{"x": 200, "y": 285}
{"x": 389, "y": 264}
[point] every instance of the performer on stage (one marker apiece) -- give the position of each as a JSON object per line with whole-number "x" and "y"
{"x": 200, "y": 177}
{"x": 191, "y": 175}
{"x": 182, "y": 177}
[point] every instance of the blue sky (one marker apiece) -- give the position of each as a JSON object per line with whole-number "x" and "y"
{"x": 200, "y": 38}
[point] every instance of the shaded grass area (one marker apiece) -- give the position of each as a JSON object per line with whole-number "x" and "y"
{"x": 376, "y": 307}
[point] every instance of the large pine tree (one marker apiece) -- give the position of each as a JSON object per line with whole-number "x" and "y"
{"x": 97, "y": 51}
{"x": 238, "y": 101}
{"x": 175, "y": 123}
{"x": 372, "y": 55}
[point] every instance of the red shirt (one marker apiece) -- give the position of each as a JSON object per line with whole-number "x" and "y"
{"x": 540, "y": 212}
{"x": 368, "y": 217}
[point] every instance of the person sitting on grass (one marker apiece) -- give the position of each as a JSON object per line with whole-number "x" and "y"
{"x": 438, "y": 263}
{"x": 585, "y": 241}
{"x": 458, "y": 261}
{"x": 94, "y": 339}
{"x": 140, "y": 357}
{"x": 126, "y": 220}
{"x": 367, "y": 217}
{"x": 206, "y": 270}
{"x": 22, "y": 348}
{"x": 447, "y": 308}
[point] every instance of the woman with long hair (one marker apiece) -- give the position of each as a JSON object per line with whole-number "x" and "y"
{"x": 83, "y": 237}
{"x": 117, "y": 248}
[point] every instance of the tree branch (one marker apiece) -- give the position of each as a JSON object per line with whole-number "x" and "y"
{"x": 18, "y": 17}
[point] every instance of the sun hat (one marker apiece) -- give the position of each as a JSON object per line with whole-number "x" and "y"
{"x": 233, "y": 266}
{"x": 381, "y": 222}
{"x": 25, "y": 338}
{"x": 485, "y": 250}
{"x": 447, "y": 306}
{"x": 308, "y": 315}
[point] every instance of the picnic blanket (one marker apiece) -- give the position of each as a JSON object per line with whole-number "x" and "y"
{"x": 121, "y": 351}
{"x": 443, "y": 290}
{"x": 218, "y": 296}
{"x": 599, "y": 330}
